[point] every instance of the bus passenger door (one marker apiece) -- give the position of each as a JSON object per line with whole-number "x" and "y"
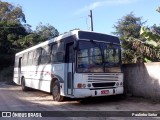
{"x": 19, "y": 70}
{"x": 70, "y": 67}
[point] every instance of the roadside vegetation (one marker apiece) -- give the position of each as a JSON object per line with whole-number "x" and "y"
{"x": 16, "y": 34}
{"x": 140, "y": 43}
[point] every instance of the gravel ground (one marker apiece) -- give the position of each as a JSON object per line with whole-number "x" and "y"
{"x": 12, "y": 98}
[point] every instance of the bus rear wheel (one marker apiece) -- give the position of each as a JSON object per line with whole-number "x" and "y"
{"x": 24, "y": 88}
{"x": 56, "y": 92}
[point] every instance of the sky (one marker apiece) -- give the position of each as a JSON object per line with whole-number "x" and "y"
{"x": 67, "y": 15}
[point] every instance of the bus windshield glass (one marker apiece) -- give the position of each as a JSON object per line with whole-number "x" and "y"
{"x": 97, "y": 56}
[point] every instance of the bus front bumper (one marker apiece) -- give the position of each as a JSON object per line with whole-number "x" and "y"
{"x": 82, "y": 93}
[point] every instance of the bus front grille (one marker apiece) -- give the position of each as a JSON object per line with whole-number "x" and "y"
{"x": 110, "y": 84}
{"x": 102, "y": 77}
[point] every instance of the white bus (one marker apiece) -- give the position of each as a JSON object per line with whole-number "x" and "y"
{"x": 77, "y": 64}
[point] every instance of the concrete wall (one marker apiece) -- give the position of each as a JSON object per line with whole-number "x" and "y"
{"x": 142, "y": 80}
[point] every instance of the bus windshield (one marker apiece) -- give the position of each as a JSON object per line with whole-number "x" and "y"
{"x": 97, "y": 56}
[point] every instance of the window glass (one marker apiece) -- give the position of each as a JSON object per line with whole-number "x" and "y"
{"x": 24, "y": 59}
{"x": 57, "y": 52}
{"x": 97, "y": 56}
{"x": 30, "y": 58}
{"x": 111, "y": 54}
{"x": 45, "y": 56}
{"x": 89, "y": 59}
{"x": 36, "y": 56}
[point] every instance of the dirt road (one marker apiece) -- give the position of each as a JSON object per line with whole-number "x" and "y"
{"x": 13, "y": 99}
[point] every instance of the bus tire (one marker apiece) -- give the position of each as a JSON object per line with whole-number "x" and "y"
{"x": 24, "y": 88}
{"x": 56, "y": 92}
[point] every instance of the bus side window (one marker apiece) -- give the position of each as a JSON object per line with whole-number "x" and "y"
{"x": 57, "y": 54}
{"x": 30, "y": 58}
{"x": 24, "y": 59}
{"x": 37, "y": 55}
{"x": 45, "y": 56}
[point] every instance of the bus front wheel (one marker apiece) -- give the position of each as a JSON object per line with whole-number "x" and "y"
{"x": 56, "y": 92}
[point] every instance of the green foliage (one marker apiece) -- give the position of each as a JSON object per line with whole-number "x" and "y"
{"x": 10, "y": 33}
{"x": 15, "y": 37}
{"x": 151, "y": 36}
{"x": 46, "y": 32}
{"x": 9, "y": 12}
{"x": 6, "y": 74}
{"x": 127, "y": 28}
{"x": 158, "y": 9}
{"x": 151, "y": 46}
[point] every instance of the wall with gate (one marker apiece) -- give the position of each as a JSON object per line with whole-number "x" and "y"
{"x": 142, "y": 80}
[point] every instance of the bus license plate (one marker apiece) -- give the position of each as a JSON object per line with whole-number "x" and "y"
{"x": 105, "y": 92}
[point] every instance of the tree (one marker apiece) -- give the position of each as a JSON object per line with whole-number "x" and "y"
{"x": 11, "y": 30}
{"x": 15, "y": 36}
{"x": 9, "y": 12}
{"x": 127, "y": 28}
{"x": 10, "y": 33}
{"x": 158, "y": 9}
{"x": 151, "y": 46}
{"x": 46, "y": 32}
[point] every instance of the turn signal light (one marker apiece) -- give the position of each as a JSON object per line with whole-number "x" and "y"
{"x": 79, "y": 85}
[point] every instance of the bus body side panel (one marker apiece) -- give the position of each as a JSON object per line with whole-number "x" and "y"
{"x": 39, "y": 77}
{"x": 58, "y": 72}
{"x": 15, "y": 76}
{"x": 17, "y": 70}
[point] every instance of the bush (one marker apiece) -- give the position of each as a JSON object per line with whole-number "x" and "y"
{"x": 6, "y": 74}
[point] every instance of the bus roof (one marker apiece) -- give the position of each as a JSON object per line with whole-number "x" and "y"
{"x": 79, "y": 35}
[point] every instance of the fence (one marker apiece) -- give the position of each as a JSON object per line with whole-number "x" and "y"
{"x": 142, "y": 80}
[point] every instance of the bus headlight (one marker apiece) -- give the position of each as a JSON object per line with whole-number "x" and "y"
{"x": 117, "y": 83}
{"x": 84, "y": 85}
{"x": 89, "y": 85}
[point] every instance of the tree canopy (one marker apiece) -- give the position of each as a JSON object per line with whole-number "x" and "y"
{"x": 9, "y": 12}
{"x": 151, "y": 46}
{"x": 140, "y": 43}
{"x": 16, "y": 36}
{"x": 46, "y": 31}
{"x": 128, "y": 27}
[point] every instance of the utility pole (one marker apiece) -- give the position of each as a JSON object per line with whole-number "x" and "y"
{"x": 91, "y": 20}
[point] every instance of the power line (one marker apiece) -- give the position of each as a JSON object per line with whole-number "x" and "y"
{"x": 11, "y": 27}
